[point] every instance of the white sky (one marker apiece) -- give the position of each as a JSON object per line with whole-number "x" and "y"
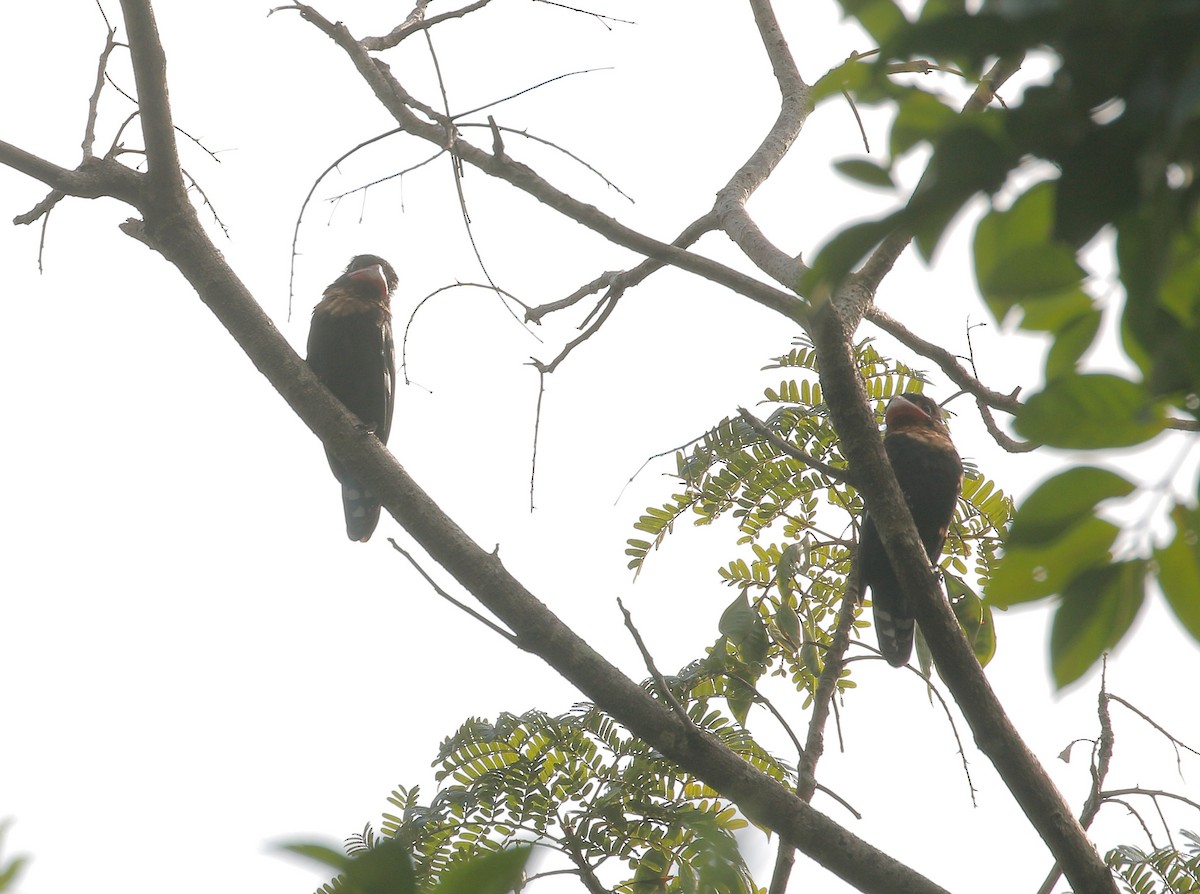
{"x": 194, "y": 653}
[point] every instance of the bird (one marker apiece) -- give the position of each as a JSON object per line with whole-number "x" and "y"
{"x": 350, "y": 349}
{"x": 929, "y": 472}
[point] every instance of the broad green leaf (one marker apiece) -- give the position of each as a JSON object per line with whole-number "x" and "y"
{"x": 1179, "y": 569}
{"x": 738, "y": 619}
{"x": 851, "y": 76}
{"x": 880, "y": 18}
{"x": 496, "y": 873}
{"x": 740, "y": 698}
{"x": 865, "y": 171}
{"x": 744, "y": 627}
{"x": 1097, "y": 609}
{"x": 1070, "y": 343}
{"x": 1031, "y": 271}
{"x": 1026, "y": 573}
{"x": 974, "y": 616}
{"x": 841, "y": 254}
{"x": 789, "y": 628}
{"x": 1000, "y": 235}
{"x": 1063, "y": 501}
{"x": 920, "y": 118}
{"x": 1089, "y": 411}
{"x": 1053, "y": 313}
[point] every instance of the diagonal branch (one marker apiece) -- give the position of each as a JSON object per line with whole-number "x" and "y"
{"x": 401, "y": 106}
{"x": 994, "y": 733}
{"x": 793, "y": 112}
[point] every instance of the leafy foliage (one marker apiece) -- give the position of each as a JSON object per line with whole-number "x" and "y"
{"x": 1119, "y": 123}
{"x": 10, "y": 870}
{"x": 1163, "y": 871}
{"x": 576, "y": 784}
{"x": 798, "y": 523}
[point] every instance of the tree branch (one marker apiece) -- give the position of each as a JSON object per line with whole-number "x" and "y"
{"x": 401, "y": 106}
{"x": 164, "y": 178}
{"x": 794, "y": 108}
{"x": 994, "y": 733}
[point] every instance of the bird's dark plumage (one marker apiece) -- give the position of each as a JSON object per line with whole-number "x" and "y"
{"x": 929, "y": 472}
{"x": 351, "y": 351}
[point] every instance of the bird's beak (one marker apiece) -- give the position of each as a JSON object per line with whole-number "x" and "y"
{"x": 373, "y": 275}
{"x": 900, "y": 409}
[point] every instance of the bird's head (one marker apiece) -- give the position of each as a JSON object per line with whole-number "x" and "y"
{"x": 372, "y": 267}
{"x": 914, "y": 411}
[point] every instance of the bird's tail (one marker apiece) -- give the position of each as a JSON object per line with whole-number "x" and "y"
{"x": 362, "y": 511}
{"x": 894, "y": 626}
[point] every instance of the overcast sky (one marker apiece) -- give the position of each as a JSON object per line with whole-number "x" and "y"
{"x": 194, "y": 654}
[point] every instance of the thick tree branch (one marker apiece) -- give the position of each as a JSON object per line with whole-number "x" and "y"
{"x": 994, "y": 733}
{"x": 794, "y": 109}
{"x": 163, "y": 173}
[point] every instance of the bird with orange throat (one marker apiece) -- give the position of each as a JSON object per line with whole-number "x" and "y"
{"x": 929, "y": 472}
{"x": 350, "y": 348}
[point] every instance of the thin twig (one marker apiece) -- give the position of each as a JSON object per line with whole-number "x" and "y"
{"x": 304, "y": 205}
{"x": 89, "y": 130}
{"x": 602, "y": 17}
{"x": 837, "y": 474}
{"x": 496, "y": 628}
{"x": 659, "y": 681}
{"x": 496, "y": 102}
{"x": 491, "y": 125}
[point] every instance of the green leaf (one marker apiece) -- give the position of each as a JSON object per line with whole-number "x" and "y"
{"x": 879, "y": 18}
{"x": 851, "y": 76}
{"x": 1070, "y": 343}
{"x": 738, "y": 619}
{"x": 841, "y": 254}
{"x": 920, "y": 118}
{"x": 974, "y": 616}
{"x": 1031, "y": 271}
{"x": 1179, "y": 569}
{"x": 1097, "y": 609}
{"x": 1063, "y": 501}
{"x": 1026, "y": 573}
{"x": 744, "y": 627}
{"x": 496, "y": 873}
{"x": 789, "y": 628}
{"x": 1088, "y": 411}
{"x": 865, "y": 171}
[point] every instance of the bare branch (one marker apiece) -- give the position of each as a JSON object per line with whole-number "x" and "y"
{"x": 601, "y": 17}
{"x": 794, "y": 108}
{"x": 660, "y": 682}
{"x": 486, "y": 622}
{"x": 632, "y": 277}
{"x": 946, "y": 361}
{"x": 491, "y": 125}
{"x": 150, "y": 76}
{"x": 496, "y": 102}
{"x": 415, "y": 22}
{"x": 89, "y": 131}
{"x": 401, "y": 105}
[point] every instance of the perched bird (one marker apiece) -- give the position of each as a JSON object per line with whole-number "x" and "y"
{"x": 351, "y": 351}
{"x": 929, "y": 472}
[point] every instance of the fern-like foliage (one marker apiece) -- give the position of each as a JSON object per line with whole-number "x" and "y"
{"x": 582, "y": 786}
{"x": 1163, "y": 871}
{"x": 797, "y": 526}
